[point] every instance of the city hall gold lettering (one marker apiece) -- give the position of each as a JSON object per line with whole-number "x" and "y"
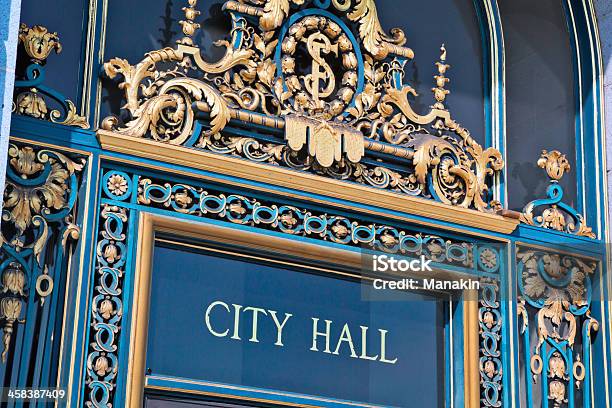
{"x": 326, "y": 338}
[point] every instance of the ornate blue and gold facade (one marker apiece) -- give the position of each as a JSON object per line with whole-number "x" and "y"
{"x": 255, "y": 175}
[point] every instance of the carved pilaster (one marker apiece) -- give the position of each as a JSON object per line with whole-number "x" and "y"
{"x": 38, "y": 229}
{"x": 107, "y": 307}
{"x": 554, "y": 304}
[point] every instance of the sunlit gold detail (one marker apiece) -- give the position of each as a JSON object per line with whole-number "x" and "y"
{"x": 10, "y": 310}
{"x": 558, "y": 286}
{"x": 557, "y": 216}
{"x": 44, "y": 286}
{"x": 318, "y": 44}
{"x": 375, "y": 40}
{"x": 168, "y": 116}
{"x": 247, "y": 85}
{"x": 31, "y": 104}
{"x": 72, "y": 117}
{"x": 22, "y": 204}
{"x": 536, "y": 364}
{"x": 14, "y": 286}
{"x": 45, "y": 192}
{"x": 555, "y": 164}
{"x": 471, "y": 349}
{"x": 579, "y": 371}
{"x": 189, "y": 25}
{"x": 13, "y": 280}
{"x": 555, "y": 318}
{"x": 556, "y": 393}
{"x": 327, "y": 142}
{"x": 441, "y": 80}
{"x": 308, "y": 92}
{"x": 117, "y": 184}
{"x": 38, "y": 44}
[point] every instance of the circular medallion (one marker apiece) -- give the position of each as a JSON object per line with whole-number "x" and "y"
{"x": 320, "y": 64}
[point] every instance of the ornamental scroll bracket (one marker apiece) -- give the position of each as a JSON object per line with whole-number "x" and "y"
{"x": 551, "y": 212}
{"x": 325, "y": 74}
{"x": 30, "y": 90}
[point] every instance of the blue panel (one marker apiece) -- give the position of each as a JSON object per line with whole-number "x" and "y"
{"x": 539, "y": 97}
{"x": 185, "y": 283}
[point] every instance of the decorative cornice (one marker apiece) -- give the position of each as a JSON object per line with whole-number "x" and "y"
{"x": 353, "y": 122}
{"x": 295, "y": 221}
{"x": 160, "y": 198}
{"x": 309, "y": 183}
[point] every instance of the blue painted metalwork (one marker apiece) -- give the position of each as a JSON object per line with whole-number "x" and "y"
{"x": 489, "y": 21}
{"x": 558, "y": 288}
{"x": 90, "y": 278}
{"x": 193, "y": 201}
{"x": 37, "y": 242}
{"x": 491, "y": 367}
{"x": 35, "y": 78}
{"x": 589, "y": 132}
{"x": 107, "y": 309}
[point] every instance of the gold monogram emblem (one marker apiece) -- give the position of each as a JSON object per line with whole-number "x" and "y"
{"x": 325, "y": 84}
{"x": 320, "y": 83}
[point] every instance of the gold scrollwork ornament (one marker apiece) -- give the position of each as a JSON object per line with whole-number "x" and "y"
{"x": 38, "y": 44}
{"x": 556, "y": 215}
{"x": 247, "y": 85}
{"x": 47, "y": 183}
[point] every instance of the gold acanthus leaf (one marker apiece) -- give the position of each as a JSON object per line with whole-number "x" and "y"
{"x": 219, "y": 110}
{"x": 274, "y": 14}
{"x": 38, "y": 42}
{"x": 375, "y": 40}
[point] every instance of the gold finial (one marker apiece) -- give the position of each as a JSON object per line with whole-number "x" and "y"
{"x": 441, "y": 80}
{"x": 555, "y": 164}
{"x": 39, "y": 42}
{"x": 189, "y": 25}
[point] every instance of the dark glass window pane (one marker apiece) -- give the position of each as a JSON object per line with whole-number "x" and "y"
{"x": 429, "y": 24}
{"x": 63, "y": 71}
{"x": 540, "y": 103}
{"x": 181, "y": 344}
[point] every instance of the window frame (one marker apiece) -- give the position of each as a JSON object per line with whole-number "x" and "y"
{"x": 150, "y": 224}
